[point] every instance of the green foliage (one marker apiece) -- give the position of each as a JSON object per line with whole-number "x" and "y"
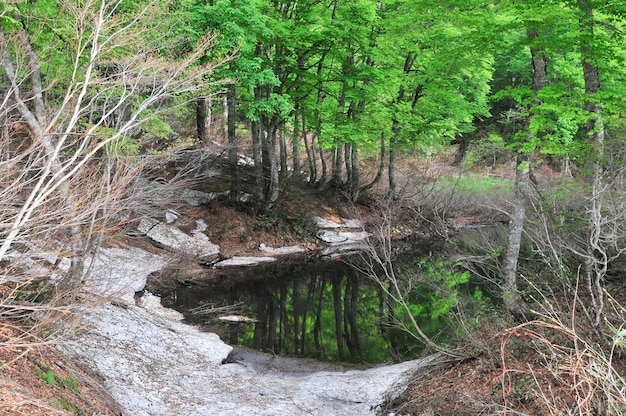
{"x": 275, "y": 105}
{"x": 154, "y": 127}
{"x": 65, "y": 404}
{"x": 48, "y": 375}
{"x": 6, "y": 19}
{"x": 438, "y": 289}
{"x": 71, "y": 383}
{"x": 475, "y": 185}
{"x": 126, "y": 146}
{"x": 490, "y": 150}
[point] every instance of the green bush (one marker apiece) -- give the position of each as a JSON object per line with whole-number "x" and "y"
{"x": 489, "y": 151}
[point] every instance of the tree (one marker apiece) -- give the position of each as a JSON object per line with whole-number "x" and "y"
{"x": 513, "y": 300}
{"x": 604, "y": 215}
{"x": 557, "y": 109}
{"x": 437, "y": 69}
{"x": 79, "y": 88}
{"x": 530, "y": 26}
{"x": 239, "y": 24}
{"x": 378, "y": 261}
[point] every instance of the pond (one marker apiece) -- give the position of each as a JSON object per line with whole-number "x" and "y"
{"x": 319, "y": 308}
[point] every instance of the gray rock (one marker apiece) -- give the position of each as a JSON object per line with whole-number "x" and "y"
{"x": 334, "y": 237}
{"x": 171, "y": 216}
{"x": 171, "y": 237}
{"x": 196, "y": 198}
{"x": 244, "y": 261}
{"x": 324, "y": 223}
{"x": 116, "y": 273}
{"x": 345, "y": 223}
{"x": 353, "y": 223}
{"x": 282, "y": 250}
{"x": 338, "y": 250}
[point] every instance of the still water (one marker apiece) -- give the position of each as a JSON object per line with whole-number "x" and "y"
{"x": 318, "y": 308}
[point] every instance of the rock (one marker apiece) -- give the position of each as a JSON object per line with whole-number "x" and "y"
{"x": 244, "y": 261}
{"x": 353, "y": 223}
{"x": 334, "y": 237}
{"x": 339, "y": 250}
{"x": 35, "y": 263}
{"x": 155, "y": 365}
{"x": 171, "y": 216}
{"x": 201, "y": 226}
{"x": 237, "y": 319}
{"x": 341, "y": 241}
{"x": 116, "y": 274}
{"x": 171, "y": 237}
{"x": 197, "y": 198}
{"x": 345, "y": 223}
{"x": 282, "y": 250}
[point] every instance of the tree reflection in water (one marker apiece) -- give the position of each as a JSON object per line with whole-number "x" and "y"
{"x": 322, "y": 310}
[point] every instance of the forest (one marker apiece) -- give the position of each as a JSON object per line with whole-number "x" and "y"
{"x": 336, "y": 98}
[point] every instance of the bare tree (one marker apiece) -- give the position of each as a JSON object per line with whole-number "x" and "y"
{"x": 71, "y": 109}
{"x": 376, "y": 261}
{"x": 598, "y": 251}
{"x": 67, "y": 126}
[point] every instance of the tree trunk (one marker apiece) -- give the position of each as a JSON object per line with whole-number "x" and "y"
{"x": 269, "y": 148}
{"x": 296, "y": 305}
{"x": 259, "y": 339}
{"x": 311, "y": 290}
{"x": 295, "y": 144}
{"x": 318, "y": 122}
{"x": 335, "y": 179}
{"x": 351, "y": 310}
{"x": 356, "y": 174}
{"x": 201, "y": 120}
{"x": 282, "y": 334}
{"x": 346, "y": 318}
{"x": 336, "y": 283}
{"x": 310, "y": 155}
{"x": 348, "y": 162}
{"x": 395, "y": 129}
{"x": 324, "y": 176}
{"x": 597, "y": 254}
{"x": 259, "y": 181}
{"x": 513, "y": 300}
{"x": 233, "y": 146}
{"x": 273, "y": 317}
{"x": 381, "y": 165}
{"x": 317, "y": 327}
{"x": 282, "y": 145}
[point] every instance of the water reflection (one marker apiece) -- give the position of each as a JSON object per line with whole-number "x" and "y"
{"x": 322, "y": 309}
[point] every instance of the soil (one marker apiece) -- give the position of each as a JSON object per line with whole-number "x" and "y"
{"x": 478, "y": 385}
{"x": 37, "y": 380}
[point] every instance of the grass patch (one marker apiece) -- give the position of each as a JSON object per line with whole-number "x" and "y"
{"x": 46, "y": 375}
{"x": 475, "y": 185}
{"x": 64, "y": 404}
